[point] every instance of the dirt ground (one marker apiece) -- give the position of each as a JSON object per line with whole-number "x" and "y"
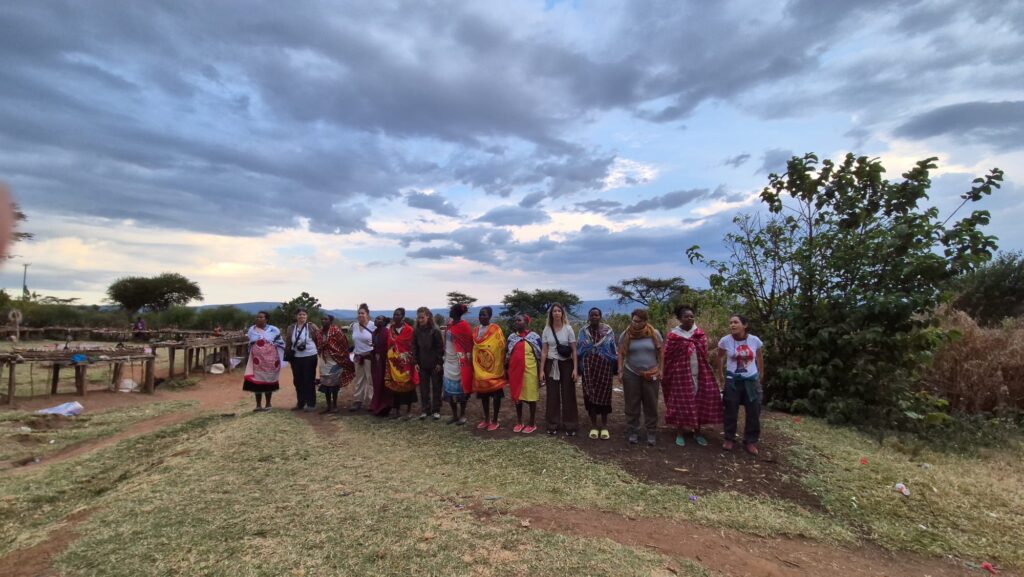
{"x": 702, "y": 469}
{"x": 706, "y": 469}
{"x": 734, "y": 553}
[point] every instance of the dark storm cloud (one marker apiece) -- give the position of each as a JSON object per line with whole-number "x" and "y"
{"x": 433, "y": 202}
{"x": 737, "y": 161}
{"x": 187, "y": 114}
{"x": 512, "y": 215}
{"x": 774, "y": 160}
{"x": 998, "y": 125}
{"x": 635, "y": 246}
{"x": 666, "y": 201}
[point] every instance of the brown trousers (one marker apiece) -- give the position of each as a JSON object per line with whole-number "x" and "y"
{"x": 640, "y": 393}
{"x": 562, "y": 412}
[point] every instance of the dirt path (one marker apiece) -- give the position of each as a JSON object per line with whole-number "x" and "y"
{"x": 35, "y": 561}
{"x": 739, "y": 555}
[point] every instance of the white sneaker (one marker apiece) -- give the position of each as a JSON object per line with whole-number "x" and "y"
{"x": 423, "y": 416}
{"x": 437, "y": 416}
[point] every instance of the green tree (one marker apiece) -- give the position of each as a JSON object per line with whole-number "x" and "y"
{"x": 153, "y": 293}
{"x": 285, "y": 312}
{"x": 993, "y": 291}
{"x": 647, "y": 291}
{"x": 842, "y": 277}
{"x": 457, "y": 298}
{"x": 536, "y": 303}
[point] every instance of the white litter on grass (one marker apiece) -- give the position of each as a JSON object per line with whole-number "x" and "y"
{"x": 235, "y": 361}
{"x": 128, "y": 386}
{"x": 65, "y": 409}
{"x": 25, "y": 430}
{"x": 216, "y": 369}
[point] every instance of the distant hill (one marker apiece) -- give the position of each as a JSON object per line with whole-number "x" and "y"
{"x": 607, "y": 306}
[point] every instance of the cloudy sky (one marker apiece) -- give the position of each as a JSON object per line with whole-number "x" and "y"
{"x": 392, "y": 151}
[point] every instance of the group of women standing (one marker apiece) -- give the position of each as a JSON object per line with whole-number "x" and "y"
{"x": 390, "y": 361}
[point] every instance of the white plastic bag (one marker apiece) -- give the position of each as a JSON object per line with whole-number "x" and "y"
{"x": 65, "y": 409}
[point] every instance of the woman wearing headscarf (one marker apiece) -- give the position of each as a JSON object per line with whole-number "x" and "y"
{"x": 639, "y": 362}
{"x": 692, "y": 398}
{"x": 558, "y": 351}
{"x": 598, "y": 361}
{"x": 263, "y": 367}
{"x": 458, "y": 363}
{"x": 523, "y": 360}
{"x": 489, "y": 368}
{"x": 362, "y": 352}
{"x": 428, "y": 353}
{"x": 300, "y": 342}
{"x": 336, "y": 368}
{"x": 383, "y": 399}
{"x": 401, "y": 376}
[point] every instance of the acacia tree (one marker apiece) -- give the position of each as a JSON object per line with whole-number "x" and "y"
{"x": 841, "y": 278}
{"x": 457, "y": 298}
{"x": 536, "y": 303}
{"x": 157, "y": 293}
{"x": 993, "y": 291}
{"x": 648, "y": 291}
{"x": 286, "y": 311}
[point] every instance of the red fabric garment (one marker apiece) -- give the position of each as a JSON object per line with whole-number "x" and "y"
{"x": 517, "y": 367}
{"x": 462, "y": 337}
{"x": 685, "y": 409}
{"x": 401, "y": 375}
{"x": 383, "y": 398}
{"x": 335, "y": 344}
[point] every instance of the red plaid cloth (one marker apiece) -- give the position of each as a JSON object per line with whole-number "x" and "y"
{"x": 597, "y": 380}
{"x": 685, "y": 409}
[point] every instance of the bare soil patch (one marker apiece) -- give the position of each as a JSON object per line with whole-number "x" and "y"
{"x": 736, "y": 554}
{"x": 35, "y": 561}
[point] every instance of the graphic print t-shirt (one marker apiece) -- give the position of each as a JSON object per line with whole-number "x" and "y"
{"x": 741, "y": 356}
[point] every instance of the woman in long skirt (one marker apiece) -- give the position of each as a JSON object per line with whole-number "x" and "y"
{"x": 382, "y": 400}
{"x": 263, "y": 367}
{"x": 692, "y": 398}
{"x": 336, "y": 368}
{"x": 598, "y": 359}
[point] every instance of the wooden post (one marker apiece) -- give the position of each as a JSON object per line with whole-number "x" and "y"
{"x": 188, "y": 361}
{"x": 170, "y": 362}
{"x": 10, "y": 382}
{"x": 225, "y": 353}
{"x": 149, "y": 383}
{"x": 80, "y": 380}
{"x": 115, "y": 379}
{"x": 55, "y": 380}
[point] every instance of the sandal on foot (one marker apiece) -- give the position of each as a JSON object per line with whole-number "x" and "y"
{"x": 751, "y": 448}
{"x": 594, "y": 434}
{"x": 728, "y": 445}
{"x": 605, "y": 435}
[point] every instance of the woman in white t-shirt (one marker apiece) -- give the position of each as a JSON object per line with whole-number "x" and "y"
{"x": 560, "y": 372}
{"x": 741, "y": 364}
{"x": 362, "y": 357}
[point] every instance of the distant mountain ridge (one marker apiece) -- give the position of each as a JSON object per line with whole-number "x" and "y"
{"x": 607, "y": 306}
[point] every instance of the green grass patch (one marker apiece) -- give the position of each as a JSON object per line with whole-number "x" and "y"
{"x": 266, "y": 495}
{"x": 967, "y": 505}
{"x": 180, "y": 383}
{"x": 24, "y": 434}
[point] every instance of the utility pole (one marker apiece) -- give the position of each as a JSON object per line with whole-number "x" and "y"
{"x": 24, "y": 281}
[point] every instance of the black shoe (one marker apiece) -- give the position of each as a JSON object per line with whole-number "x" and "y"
{"x": 453, "y": 420}
{"x": 297, "y": 408}
{"x": 355, "y": 407}
{"x": 652, "y": 439}
{"x": 634, "y": 438}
